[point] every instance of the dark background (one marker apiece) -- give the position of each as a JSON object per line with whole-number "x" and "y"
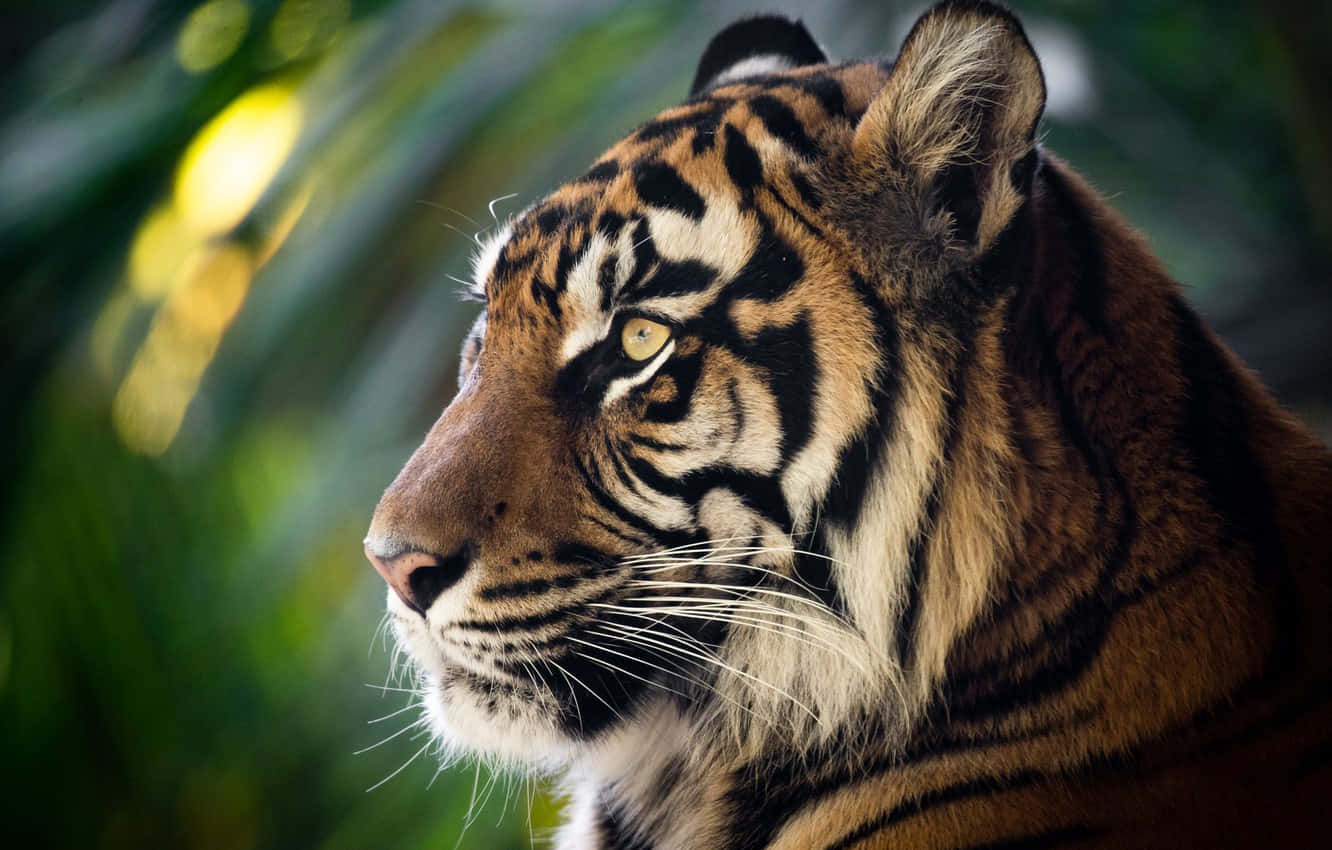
{"x": 226, "y": 236}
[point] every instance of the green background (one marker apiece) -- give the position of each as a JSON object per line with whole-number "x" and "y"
{"x": 211, "y": 371}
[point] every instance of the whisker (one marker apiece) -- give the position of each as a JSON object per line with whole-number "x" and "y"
{"x": 675, "y": 672}
{"x": 711, "y": 658}
{"x": 407, "y": 707}
{"x": 600, "y": 699}
{"x": 673, "y": 564}
{"x": 491, "y": 206}
{"x": 603, "y": 662}
{"x": 413, "y": 725}
{"x": 400, "y": 769}
{"x": 471, "y": 804}
{"x": 447, "y": 208}
{"x": 772, "y": 626}
{"x": 738, "y": 590}
{"x": 417, "y": 691}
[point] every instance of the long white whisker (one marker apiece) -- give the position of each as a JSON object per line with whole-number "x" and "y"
{"x": 574, "y": 696}
{"x": 675, "y": 672}
{"x": 413, "y": 725}
{"x": 776, "y": 627}
{"x": 447, "y": 208}
{"x": 577, "y": 708}
{"x": 417, "y": 691}
{"x": 673, "y": 564}
{"x": 471, "y": 805}
{"x": 400, "y": 769}
{"x": 407, "y": 707}
{"x": 726, "y": 611}
{"x": 743, "y": 591}
{"x": 735, "y": 602}
{"x": 491, "y": 206}
{"x": 711, "y": 658}
{"x": 603, "y": 662}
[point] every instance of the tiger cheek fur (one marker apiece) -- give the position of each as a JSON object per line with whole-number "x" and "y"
{"x": 832, "y": 468}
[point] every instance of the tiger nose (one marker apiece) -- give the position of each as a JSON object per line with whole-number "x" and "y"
{"x": 420, "y": 577}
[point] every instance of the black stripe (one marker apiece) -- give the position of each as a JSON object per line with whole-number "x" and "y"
{"x": 672, "y": 278}
{"x": 808, "y": 194}
{"x": 781, "y": 121}
{"x": 620, "y": 472}
{"x": 549, "y": 217}
{"x": 531, "y": 587}
{"x": 615, "y": 831}
{"x": 659, "y": 185}
{"x": 615, "y": 532}
{"x": 772, "y": 269}
{"x": 860, "y": 458}
{"x": 664, "y": 537}
{"x": 741, "y": 160}
{"x": 645, "y": 255}
{"x": 658, "y": 445}
{"x": 914, "y": 584}
{"x": 684, "y": 371}
{"x": 545, "y": 295}
{"x": 795, "y": 213}
{"x": 1090, "y": 289}
{"x": 919, "y": 546}
{"x": 826, "y": 89}
{"x": 787, "y": 354}
{"x": 602, "y": 172}
{"x": 606, "y": 280}
{"x": 532, "y": 622}
{"x": 933, "y": 799}
{"x": 814, "y": 571}
{"x": 1215, "y": 429}
{"x": 1068, "y": 646}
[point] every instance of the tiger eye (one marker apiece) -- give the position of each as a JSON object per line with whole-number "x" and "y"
{"x": 642, "y": 338}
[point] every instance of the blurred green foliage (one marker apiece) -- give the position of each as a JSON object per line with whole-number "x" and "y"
{"x": 227, "y": 233}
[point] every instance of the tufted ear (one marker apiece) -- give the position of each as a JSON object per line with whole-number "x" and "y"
{"x": 954, "y": 127}
{"x": 760, "y": 45}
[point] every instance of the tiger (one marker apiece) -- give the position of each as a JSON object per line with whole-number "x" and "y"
{"x": 831, "y": 467}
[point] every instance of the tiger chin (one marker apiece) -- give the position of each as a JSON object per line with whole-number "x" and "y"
{"x": 831, "y": 467}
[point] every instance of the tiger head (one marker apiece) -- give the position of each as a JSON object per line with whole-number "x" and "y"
{"x": 707, "y": 422}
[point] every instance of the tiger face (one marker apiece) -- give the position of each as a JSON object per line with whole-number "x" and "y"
{"x": 675, "y": 487}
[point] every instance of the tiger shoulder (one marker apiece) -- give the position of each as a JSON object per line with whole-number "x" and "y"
{"x": 832, "y": 467}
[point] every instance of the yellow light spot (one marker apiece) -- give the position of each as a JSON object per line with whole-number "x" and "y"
{"x": 160, "y": 248}
{"x": 211, "y": 34}
{"x": 302, "y": 27}
{"x": 108, "y": 330}
{"x": 229, "y": 164}
{"x": 150, "y": 405}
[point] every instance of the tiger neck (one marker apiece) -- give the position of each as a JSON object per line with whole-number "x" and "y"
{"x": 1130, "y": 528}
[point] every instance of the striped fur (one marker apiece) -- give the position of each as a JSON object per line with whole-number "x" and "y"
{"x": 941, "y": 521}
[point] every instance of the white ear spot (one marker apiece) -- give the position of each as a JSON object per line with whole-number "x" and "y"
{"x": 754, "y": 66}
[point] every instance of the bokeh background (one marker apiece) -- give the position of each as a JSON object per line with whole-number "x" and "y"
{"x": 228, "y": 234}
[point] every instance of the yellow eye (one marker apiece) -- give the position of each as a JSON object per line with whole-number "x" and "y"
{"x": 642, "y": 338}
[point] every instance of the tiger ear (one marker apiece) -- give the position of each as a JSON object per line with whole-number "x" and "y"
{"x": 763, "y": 44}
{"x": 954, "y": 127}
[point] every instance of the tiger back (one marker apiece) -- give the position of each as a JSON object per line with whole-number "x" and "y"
{"x": 831, "y": 467}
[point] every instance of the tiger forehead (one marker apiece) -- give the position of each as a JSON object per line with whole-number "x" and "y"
{"x": 666, "y": 161}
